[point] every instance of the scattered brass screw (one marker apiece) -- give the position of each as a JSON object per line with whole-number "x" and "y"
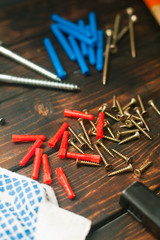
{"x": 122, "y": 116}
{"x": 139, "y": 114}
{"x": 111, "y": 116}
{"x": 107, "y": 125}
{"x": 131, "y": 32}
{"x": 82, "y": 144}
{"x": 80, "y": 120}
{"x": 99, "y": 142}
{"x": 128, "y": 124}
{"x": 127, "y": 159}
{"x": 151, "y": 103}
{"x": 103, "y": 107}
{"x": 141, "y": 129}
{"x": 113, "y": 46}
{"x": 70, "y": 141}
{"x": 92, "y": 133}
{"x": 144, "y": 112}
{"x": 84, "y": 140}
{"x": 86, "y": 111}
{"x": 126, "y": 112}
{"x": 107, "y": 50}
{"x": 138, "y": 172}
{"x": 124, "y": 133}
{"x": 114, "y": 106}
{"x": 129, "y": 168}
{"x": 91, "y": 164}
{"x": 136, "y": 135}
{"x": 132, "y": 102}
{"x": 107, "y": 165}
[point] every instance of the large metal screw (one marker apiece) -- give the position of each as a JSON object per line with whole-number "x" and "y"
{"x": 131, "y": 31}
{"x": 107, "y": 165}
{"x": 136, "y": 135}
{"x": 138, "y": 172}
{"x": 129, "y": 168}
{"x": 127, "y": 159}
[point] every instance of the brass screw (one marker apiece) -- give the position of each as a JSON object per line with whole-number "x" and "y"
{"x": 128, "y": 124}
{"x": 131, "y": 31}
{"x": 138, "y": 172}
{"x": 111, "y": 116}
{"x": 127, "y": 159}
{"x": 132, "y": 102}
{"x": 70, "y": 141}
{"x": 82, "y": 137}
{"x": 91, "y": 164}
{"x": 122, "y": 116}
{"x": 129, "y": 168}
{"x": 141, "y": 129}
{"x": 99, "y": 142}
{"x": 114, "y": 106}
{"x": 139, "y": 114}
{"x": 103, "y": 107}
{"x": 86, "y": 111}
{"x": 144, "y": 112}
{"x": 126, "y": 112}
{"x": 113, "y": 46}
{"x": 151, "y": 103}
{"x": 107, "y": 165}
{"x": 92, "y": 133}
{"x": 80, "y": 120}
{"x": 82, "y": 144}
{"x": 107, "y": 125}
{"x": 136, "y": 135}
{"x": 124, "y": 133}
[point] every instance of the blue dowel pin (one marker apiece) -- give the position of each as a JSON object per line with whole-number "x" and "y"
{"x": 80, "y": 59}
{"x": 100, "y": 50}
{"x": 77, "y": 35}
{"x": 93, "y": 24}
{"x": 69, "y": 24}
{"x": 63, "y": 41}
{"x": 84, "y": 47}
{"x": 91, "y": 51}
{"x": 54, "y": 58}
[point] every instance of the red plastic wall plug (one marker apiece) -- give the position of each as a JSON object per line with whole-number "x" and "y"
{"x": 99, "y": 128}
{"x": 77, "y": 114}
{"x": 27, "y": 138}
{"x": 37, "y": 162}
{"x": 46, "y": 169}
{"x": 64, "y": 182}
{"x": 56, "y": 138}
{"x": 85, "y": 157}
{"x": 64, "y": 145}
{"x": 31, "y": 152}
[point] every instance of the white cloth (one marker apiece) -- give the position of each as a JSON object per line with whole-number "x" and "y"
{"x": 29, "y": 211}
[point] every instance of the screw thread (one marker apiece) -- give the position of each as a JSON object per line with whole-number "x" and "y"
{"x": 105, "y": 148}
{"x": 141, "y": 129}
{"x": 81, "y": 162}
{"x": 129, "y": 168}
{"x": 75, "y": 146}
{"x": 145, "y": 166}
{"x": 151, "y": 103}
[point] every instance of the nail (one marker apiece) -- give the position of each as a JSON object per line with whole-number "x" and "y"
{"x": 85, "y": 141}
{"x": 7, "y": 53}
{"x": 141, "y": 129}
{"x": 136, "y": 135}
{"x": 131, "y": 32}
{"x": 124, "y": 133}
{"x": 64, "y": 145}
{"x": 70, "y": 141}
{"x": 85, "y": 157}
{"x": 122, "y": 116}
{"x": 99, "y": 142}
{"x": 37, "y": 162}
{"x": 127, "y": 159}
{"x": 82, "y": 144}
{"x": 27, "y": 138}
{"x": 113, "y": 46}
{"x": 144, "y": 112}
{"x": 129, "y": 168}
{"x": 64, "y": 182}
{"x": 77, "y": 114}
{"x": 30, "y": 152}
{"x": 138, "y": 172}
{"x": 107, "y": 165}
{"x": 91, "y": 164}
{"x": 132, "y": 102}
{"x": 107, "y": 50}
{"x": 46, "y": 169}
{"x": 151, "y": 103}
{"x": 114, "y": 106}
{"x": 80, "y": 120}
{"x": 139, "y": 114}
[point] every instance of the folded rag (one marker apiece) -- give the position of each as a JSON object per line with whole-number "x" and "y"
{"x": 29, "y": 210}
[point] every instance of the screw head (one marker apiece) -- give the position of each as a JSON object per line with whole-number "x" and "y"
{"x": 134, "y": 18}
{"x": 137, "y": 173}
{"x": 108, "y": 167}
{"x": 129, "y": 11}
{"x": 137, "y": 134}
{"x": 113, "y": 48}
{"x": 129, "y": 159}
{"x": 109, "y": 32}
{"x": 2, "y": 121}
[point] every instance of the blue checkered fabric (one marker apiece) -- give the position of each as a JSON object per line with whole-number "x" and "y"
{"x": 18, "y": 217}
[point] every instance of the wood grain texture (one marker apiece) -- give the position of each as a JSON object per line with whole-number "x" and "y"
{"x": 29, "y": 110}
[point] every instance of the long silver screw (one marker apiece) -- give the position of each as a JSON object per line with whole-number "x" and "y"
{"x": 37, "y": 82}
{"x": 7, "y": 53}
{"x": 131, "y": 32}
